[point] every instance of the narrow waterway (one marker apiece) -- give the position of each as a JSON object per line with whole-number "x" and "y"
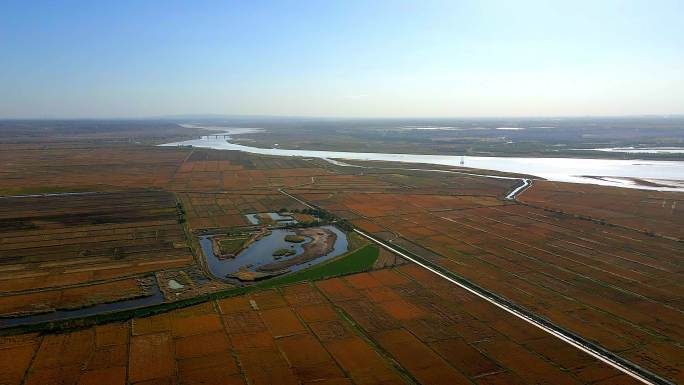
{"x": 156, "y": 298}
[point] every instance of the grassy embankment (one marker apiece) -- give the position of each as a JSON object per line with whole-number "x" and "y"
{"x": 356, "y": 261}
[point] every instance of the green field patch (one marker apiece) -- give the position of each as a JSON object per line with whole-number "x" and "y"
{"x": 231, "y": 245}
{"x": 354, "y": 262}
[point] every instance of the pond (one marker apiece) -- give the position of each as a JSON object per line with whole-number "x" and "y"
{"x": 260, "y": 253}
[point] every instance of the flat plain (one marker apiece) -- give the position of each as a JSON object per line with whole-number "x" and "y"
{"x": 604, "y": 263}
{"x": 72, "y": 251}
{"x": 390, "y": 326}
{"x": 619, "y": 288}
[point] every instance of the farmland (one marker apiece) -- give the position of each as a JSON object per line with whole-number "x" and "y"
{"x": 95, "y": 240}
{"x": 72, "y": 251}
{"x": 600, "y": 262}
{"x": 648, "y": 211}
{"x": 385, "y": 327}
{"x": 342, "y": 192}
{"x": 31, "y": 169}
{"x": 617, "y": 287}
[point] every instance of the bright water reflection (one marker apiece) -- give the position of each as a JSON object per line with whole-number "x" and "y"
{"x": 555, "y": 169}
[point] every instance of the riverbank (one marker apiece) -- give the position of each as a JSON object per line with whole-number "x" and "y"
{"x": 573, "y": 170}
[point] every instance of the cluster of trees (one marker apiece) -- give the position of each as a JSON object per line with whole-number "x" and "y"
{"x": 318, "y": 213}
{"x": 323, "y": 216}
{"x": 181, "y": 212}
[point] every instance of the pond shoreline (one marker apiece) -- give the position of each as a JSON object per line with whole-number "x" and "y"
{"x": 260, "y": 254}
{"x": 321, "y": 244}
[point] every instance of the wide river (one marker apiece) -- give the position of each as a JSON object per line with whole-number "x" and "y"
{"x": 612, "y": 171}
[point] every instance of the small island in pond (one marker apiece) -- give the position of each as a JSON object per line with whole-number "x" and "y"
{"x": 295, "y": 238}
{"x": 283, "y": 253}
{"x": 322, "y": 243}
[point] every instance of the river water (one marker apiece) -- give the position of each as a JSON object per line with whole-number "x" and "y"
{"x": 637, "y": 150}
{"x": 670, "y": 173}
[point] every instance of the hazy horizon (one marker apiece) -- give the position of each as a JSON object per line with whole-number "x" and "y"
{"x": 215, "y": 117}
{"x": 352, "y": 59}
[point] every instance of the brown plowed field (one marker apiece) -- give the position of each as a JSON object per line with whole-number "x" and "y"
{"x": 620, "y": 288}
{"x": 68, "y": 246}
{"x": 72, "y": 298}
{"x": 312, "y": 333}
{"x": 652, "y": 211}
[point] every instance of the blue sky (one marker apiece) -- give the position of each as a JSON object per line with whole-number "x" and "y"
{"x": 384, "y": 58}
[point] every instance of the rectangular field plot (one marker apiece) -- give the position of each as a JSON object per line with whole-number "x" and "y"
{"x": 64, "y": 248}
{"x": 654, "y": 211}
{"x": 224, "y": 210}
